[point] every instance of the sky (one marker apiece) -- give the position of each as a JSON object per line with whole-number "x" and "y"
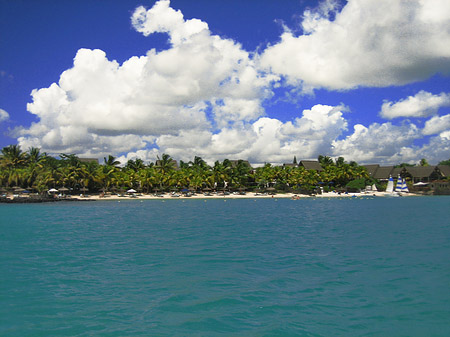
{"x": 259, "y": 80}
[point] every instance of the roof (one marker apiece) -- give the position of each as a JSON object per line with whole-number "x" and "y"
{"x": 234, "y": 163}
{"x": 383, "y": 172}
{"x": 396, "y": 171}
{"x": 88, "y": 160}
{"x": 420, "y": 171}
{"x": 445, "y": 170}
{"x": 290, "y": 165}
{"x": 311, "y": 165}
{"x": 371, "y": 168}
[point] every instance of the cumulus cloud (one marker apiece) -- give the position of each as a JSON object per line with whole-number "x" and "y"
{"x": 164, "y": 19}
{"x": 4, "y": 116}
{"x": 436, "y": 150}
{"x": 372, "y": 43}
{"x": 378, "y": 143}
{"x": 436, "y": 125}
{"x": 204, "y": 95}
{"x": 423, "y": 104}
{"x": 266, "y": 139}
{"x": 161, "y": 94}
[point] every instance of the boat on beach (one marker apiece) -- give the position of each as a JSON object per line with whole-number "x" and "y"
{"x": 390, "y": 192}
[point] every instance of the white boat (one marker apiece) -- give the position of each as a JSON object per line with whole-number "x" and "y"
{"x": 405, "y": 187}
{"x": 390, "y": 185}
{"x": 390, "y": 188}
{"x": 399, "y": 186}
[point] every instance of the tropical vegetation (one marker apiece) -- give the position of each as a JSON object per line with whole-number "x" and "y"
{"x": 38, "y": 172}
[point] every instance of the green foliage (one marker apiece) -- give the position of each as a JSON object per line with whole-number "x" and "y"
{"x": 357, "y": 184}
{"x": 37, "y": 171}
{"x": 423, "y": 162}
{"x": 444, "y": 162}
{"x": 404, "y": 165}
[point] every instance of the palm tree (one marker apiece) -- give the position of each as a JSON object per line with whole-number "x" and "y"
{"x": 325, "y": 161}
{"x": 221, "y": 172}
{"x": 340, "y": 161}
{"x": 111, "y": 161}
{"x": 164, "y": 164}
{"x": 13, "y": 156}
{"x": 34, "y": 156}
{"x": 135, "y": 165}
{"x": 146, "y": 178}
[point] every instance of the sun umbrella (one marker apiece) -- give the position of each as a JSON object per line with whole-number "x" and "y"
{"x": 53, "y": 190}
{"x": 131, "y": 191}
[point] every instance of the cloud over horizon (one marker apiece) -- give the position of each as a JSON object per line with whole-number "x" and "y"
{"x": 370, "y": 43}
{"x": 205, "y": 94}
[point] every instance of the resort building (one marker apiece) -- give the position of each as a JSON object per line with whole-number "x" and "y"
{"x": 311, "y": 165}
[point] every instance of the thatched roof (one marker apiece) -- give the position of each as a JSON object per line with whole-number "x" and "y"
{"x": 445, "y": 170}
{"x": 234, "y": 163}
{"x": 311, "y": 165}
{"x": 383, "y": 172}
{"x": 371, "y": 169}
{"x": 290, "y": 165}
{"x": 88, "y": 160}
{"x": 396, "y": 171}
{"x": 421, "y": 171}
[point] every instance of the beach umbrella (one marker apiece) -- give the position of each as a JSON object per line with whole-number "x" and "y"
{"x": 53, "y": 190}
{"x": 420, "y": 184}
{"x": 84, "y": 189}
{"x": 131, "y": 191}
{"x": 63, "y": 189}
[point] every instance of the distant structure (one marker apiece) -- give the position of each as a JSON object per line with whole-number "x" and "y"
{"x": 414, "y": 173}
{"x": 311, "y": 165}
{"x": 88, "y": 160}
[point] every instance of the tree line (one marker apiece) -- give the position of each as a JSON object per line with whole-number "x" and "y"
{"x": 38, "y": 172}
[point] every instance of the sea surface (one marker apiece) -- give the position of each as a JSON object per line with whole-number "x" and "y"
{"x": 266, "y": 267}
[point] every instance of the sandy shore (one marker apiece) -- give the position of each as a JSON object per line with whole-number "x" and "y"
{"x": 168, "y": 196}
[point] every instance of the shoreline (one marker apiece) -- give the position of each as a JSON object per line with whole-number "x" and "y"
{"x": 292, "y": 196}
{"x": 168, "y": 196}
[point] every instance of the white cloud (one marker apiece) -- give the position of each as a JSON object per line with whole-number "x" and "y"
{"x": 436, "y": 125}
{"x": 161, "y": 94}
{"x": 266, "y": 139}
{"x": 423, "y": 104}
{"x": 164, "y": 19}
{"x": 378, "y": 143}
{"x": 4, "y": 116}
{"x": 436, "y": 150}
{"x": 203, "y": 96}
{"x": 373, "y": 43}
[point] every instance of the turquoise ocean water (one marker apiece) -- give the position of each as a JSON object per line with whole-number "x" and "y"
{"x": 267, "y": 267}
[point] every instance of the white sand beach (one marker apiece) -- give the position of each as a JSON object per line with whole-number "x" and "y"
{"x": 169, "y": 196}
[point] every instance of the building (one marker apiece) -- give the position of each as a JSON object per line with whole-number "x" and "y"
{"x": 311, "y": 165}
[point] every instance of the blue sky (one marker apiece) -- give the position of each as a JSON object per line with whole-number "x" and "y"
{"x": 257, "y": 80}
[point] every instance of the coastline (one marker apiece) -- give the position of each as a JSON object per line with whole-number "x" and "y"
{"x": 168, "y": 196}
{"x": 292, "y": 196}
